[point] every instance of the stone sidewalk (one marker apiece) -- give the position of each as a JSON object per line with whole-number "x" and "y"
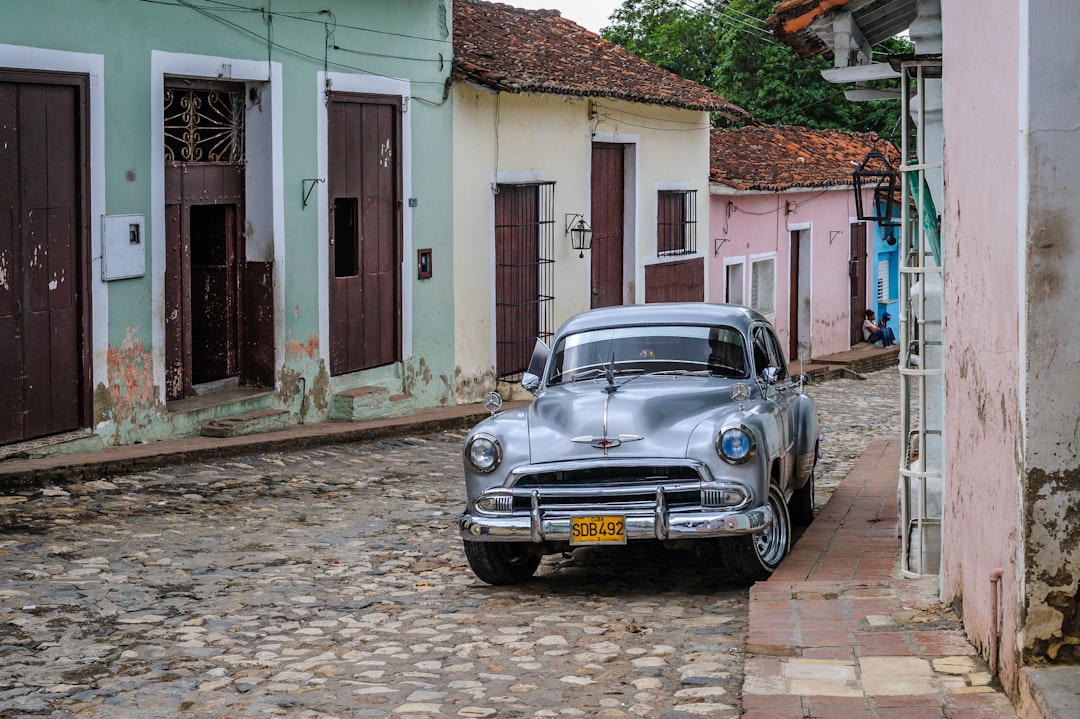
{"x": 837, "y": 632}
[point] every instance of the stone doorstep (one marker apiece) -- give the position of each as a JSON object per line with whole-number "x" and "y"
{"x": 370, "y": 402}
{"x": 1053, "y": 692}
{"x": 254, "y": 422}
{"x": 82, "y": 440}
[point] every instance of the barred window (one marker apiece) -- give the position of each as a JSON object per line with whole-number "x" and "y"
{"x": 676, "y": 222}
{"x": 524, "y": 252}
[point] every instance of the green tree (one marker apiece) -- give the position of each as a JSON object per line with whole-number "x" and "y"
{"x": 724, "y": 44}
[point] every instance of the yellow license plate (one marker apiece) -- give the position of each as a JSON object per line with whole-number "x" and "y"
{"x": 598, "y": 530}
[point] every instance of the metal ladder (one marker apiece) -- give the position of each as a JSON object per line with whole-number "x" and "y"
{"x": 921, "y": 333}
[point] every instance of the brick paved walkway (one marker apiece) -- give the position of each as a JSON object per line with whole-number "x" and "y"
{"x": 836, "y": 632}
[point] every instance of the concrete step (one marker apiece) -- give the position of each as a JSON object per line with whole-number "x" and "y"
{"x": 237, "y": 425}
{"x": 364, "y": 403}
{"x": 82, "y": 440}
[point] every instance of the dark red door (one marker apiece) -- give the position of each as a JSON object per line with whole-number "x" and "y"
{"x": 857, "y": 275}
{"x": 793, "y": 295}
{"x": 203, "y": 262}
{"x": 44, "y": 306}
{"x": 365, "y": 231}
{"x": 608, "y": 198}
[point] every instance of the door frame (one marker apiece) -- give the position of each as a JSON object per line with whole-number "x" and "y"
{"x": 370, "y": 85}
{"x": 800, "y": 290}
{"x": 352, "y": 100}
{"x": 264, "y": 192}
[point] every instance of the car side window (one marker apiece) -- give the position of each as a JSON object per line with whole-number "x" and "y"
{"x": 767, "y": 352}
{"x": 761, "y": 351}
{"x": 776, "y": 353}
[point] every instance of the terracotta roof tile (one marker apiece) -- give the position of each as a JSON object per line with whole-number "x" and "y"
{"x": 791, "y": 24}
{"x": 510, "y": 49}
{"x": 783, "y": 157}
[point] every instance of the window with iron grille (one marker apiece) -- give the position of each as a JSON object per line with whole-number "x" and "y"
{"x": 676, "y": 222}
{"x": 204, "y": 123}
{"x": 763, "y": 284}
{"x": 524, "y": 252}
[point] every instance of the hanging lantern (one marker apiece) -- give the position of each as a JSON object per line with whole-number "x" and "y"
{"x": 876, "y": 174}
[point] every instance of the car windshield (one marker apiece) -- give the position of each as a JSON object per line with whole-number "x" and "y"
{"x": 669, "y": 349}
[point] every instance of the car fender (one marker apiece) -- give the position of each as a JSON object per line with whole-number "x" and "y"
{"x": 511, "y": 430}
{"x": 807, "y": 430}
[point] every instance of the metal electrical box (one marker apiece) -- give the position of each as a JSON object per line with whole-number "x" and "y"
{"x": 123, "y": 253}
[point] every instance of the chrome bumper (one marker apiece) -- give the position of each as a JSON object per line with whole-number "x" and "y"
{"x": 658, "y": 525}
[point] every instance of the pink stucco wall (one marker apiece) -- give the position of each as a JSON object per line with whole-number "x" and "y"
{"x": 982, "y": 319}
{"x": 744, "y": 225}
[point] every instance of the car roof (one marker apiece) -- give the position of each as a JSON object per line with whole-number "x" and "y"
{"x": 657, "y": 313}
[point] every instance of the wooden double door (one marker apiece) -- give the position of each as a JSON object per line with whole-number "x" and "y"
{"x": 44, "y": 255}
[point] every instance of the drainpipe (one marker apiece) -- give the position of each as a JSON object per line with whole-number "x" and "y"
{"x": 995, "y": 611}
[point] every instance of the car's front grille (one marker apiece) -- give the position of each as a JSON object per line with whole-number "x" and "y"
{"x": 624, "y": 489}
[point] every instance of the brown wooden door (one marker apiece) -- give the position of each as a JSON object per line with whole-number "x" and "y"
{"x": 365, "y": 231}
{"x": 44, "y": 302}
{"x": 203, "y": 273}
{"x": 793, "y": 295}
{"x": 608, "y": 200}
{"x": 857, "y": 275}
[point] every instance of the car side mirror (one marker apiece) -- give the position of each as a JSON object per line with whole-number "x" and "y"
{"x": 771, "y": 375}
{"x": 530, "y": 382}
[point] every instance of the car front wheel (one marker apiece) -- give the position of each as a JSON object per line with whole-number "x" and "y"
{"x": 754, "y": 557}
{"x": 501, "y": 563}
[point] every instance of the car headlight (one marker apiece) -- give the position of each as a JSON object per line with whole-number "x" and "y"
{"x": 483, "y": 453}
{"x": 736, "y": 445}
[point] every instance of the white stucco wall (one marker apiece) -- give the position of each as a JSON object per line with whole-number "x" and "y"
{"x": 520, "y": 138}
{"x": 745, "y": 226}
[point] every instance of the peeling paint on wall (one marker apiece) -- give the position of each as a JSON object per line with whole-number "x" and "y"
{"x": 302, "y": 361}
{"x": 471, "y": 388}
{"x": 1052, "y": 555}
{"x": 129, "y": 400}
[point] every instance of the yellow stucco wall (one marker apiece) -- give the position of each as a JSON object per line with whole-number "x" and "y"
{"x": 521, "y": 138}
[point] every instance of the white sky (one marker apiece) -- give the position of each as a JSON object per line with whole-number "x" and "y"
{"x": 590, "y": 14}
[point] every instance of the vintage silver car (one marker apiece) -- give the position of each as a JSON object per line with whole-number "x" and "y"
{"x": 665, "y": 422}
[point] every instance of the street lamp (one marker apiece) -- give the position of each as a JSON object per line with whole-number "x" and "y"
{"x": 876, "y": 174}
{"x": 580, "y": 233}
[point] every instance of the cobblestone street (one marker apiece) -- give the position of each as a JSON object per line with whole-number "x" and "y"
{"x": 331, "y": 583}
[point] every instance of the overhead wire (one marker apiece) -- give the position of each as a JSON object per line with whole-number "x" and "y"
{"x": 751, "y": 26}
{"x": 221, "y": 6}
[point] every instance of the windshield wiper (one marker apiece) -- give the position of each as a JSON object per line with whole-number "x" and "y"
{"x": 594, "y": 372}
{"x": 683, "y": 372}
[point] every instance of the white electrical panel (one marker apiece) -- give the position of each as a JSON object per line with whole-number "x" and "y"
{"x": 123, "y": 251}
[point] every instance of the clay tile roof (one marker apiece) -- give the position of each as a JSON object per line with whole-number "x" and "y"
{"x": 791, "y": 21}
{"x": 782, "y": 157}
{"x": 795, "y": 22}
{"x": 510, "y": 49}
